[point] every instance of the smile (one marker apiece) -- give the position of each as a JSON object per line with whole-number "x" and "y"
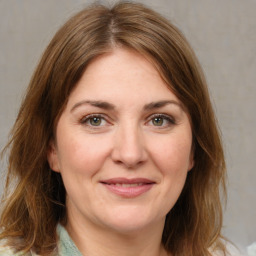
{"x": 128, "y": 185}
{"x": 128, "y": 188}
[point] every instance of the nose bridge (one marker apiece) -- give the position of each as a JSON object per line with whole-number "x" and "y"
{"x": 129, "y": 145}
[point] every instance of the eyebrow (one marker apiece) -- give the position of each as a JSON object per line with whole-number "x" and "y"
{"x": 94, "y": 103}
{"x": 160, "y": 104}
{"x": 108, "y": 106}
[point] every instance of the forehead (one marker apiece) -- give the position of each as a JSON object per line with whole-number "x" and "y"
{"x": 122, "y": 75}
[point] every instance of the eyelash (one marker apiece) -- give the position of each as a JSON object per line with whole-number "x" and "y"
{"x": 87, "y": 118}
{"x": 170, "y": 120}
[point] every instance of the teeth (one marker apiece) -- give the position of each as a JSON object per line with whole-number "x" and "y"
{"x": 128, "y": 185}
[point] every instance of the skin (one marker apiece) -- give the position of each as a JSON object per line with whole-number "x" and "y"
{"x": 112, "y": 128}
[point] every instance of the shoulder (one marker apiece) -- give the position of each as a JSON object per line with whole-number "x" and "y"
{"x": 8, "y": 251}
{"x": 231, "y": 250}
{"x": 4, "y": 249}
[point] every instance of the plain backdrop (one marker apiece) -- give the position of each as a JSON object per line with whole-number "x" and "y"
{"x": 223, "y": 35}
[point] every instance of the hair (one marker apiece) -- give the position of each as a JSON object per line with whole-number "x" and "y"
{"x": 36, "y": 204}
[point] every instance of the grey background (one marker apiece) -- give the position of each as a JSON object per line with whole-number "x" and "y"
{"x": 223, "y": 34}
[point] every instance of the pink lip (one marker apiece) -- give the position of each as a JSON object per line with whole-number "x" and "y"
{"x": 120, "y": 186}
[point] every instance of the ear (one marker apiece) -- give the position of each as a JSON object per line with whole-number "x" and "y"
{"x": 52, "y": 157}
{"x": 191, "y": 162}
{"x": 191, "y": 159}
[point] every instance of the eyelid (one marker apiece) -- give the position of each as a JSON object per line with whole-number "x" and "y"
{"x": 166, "y": 117}
{"x": 86, "y": 118}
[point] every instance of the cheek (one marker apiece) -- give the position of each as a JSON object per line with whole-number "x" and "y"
{"x": 81, "y": 154}
{"x": 172, "y": 155}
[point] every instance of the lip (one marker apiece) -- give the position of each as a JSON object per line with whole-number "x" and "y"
{"x": 128, "y": 188}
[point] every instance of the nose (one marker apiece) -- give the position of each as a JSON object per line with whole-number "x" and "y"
{"x": 129, "y": 149}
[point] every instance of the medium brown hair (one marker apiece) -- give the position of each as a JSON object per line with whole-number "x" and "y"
{"x": 37, "y": 203}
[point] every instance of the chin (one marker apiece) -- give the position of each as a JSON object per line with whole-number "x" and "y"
{"x": 130, "y": 222}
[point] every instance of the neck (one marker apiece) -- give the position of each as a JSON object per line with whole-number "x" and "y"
{"x": 92, "y": 241}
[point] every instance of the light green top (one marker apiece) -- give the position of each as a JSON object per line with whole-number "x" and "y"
{"x": 65, "y": 246}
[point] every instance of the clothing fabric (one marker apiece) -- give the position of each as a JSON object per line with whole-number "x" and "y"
{"x": 66, "y": 247}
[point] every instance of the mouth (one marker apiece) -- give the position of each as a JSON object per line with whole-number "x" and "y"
{"x": 128, "y": 188}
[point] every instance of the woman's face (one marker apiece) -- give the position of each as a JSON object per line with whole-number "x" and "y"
{"x": 123, "y": 145}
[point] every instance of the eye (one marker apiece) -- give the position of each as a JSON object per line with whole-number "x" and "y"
{"x": 161, "y": 120}
{"x": 158, "y": 121}
{"x": 94, "y": 120}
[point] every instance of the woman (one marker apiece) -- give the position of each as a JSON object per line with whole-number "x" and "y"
{"x": 115, "y": 150}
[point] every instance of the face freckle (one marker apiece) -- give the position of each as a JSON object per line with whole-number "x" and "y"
{"x": 123, "y": 145}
